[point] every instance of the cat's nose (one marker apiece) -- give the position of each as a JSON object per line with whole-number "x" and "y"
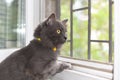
{"x": 65, "y": 37}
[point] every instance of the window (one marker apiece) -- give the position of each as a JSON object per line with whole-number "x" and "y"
{"x": 27, "y": 15}
{"x": 90, "y": 34}
{"x": 12, "y": 23}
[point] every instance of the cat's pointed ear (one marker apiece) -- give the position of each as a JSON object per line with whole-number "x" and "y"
{"x": 51, "y": 17}
{"x": 64, "y": 22}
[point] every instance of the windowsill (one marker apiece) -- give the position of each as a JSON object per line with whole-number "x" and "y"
{"x": 86, "y": 70}
{"x": 6, "y": 52}
{"x": 75, "y": 75}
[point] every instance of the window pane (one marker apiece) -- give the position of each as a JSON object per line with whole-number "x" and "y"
{"x": 12, "y": 23}
{"x": 99, "y": 52}
{"x": 80, "y": 4}
{"x": 65, "y": 8}
{"x": 65, "y": 51}
{"x": 80, "y": 34}
{"x": 100, "y": 20}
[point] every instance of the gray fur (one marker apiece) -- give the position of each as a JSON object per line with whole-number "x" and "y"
{"x": 37, "y": 61}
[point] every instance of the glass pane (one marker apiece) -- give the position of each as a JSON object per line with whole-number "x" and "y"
{"x": 80, "y": 34}
{"x": 12, "y": 23}
{"x": 99, "y": 51}
{"x": 100, "y": 20}
{"x": 65, "y": 8}
{"x": 80, "y": 4}
{"x": 65, "y": 51}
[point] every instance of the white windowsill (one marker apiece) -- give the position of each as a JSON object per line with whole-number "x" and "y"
{"x": 85, "y": 70}
{"x": 75, "y": 75}
{"x": 6, "y": 52}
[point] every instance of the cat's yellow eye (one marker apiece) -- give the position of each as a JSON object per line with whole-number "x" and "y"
{"x": 58, "y": 31}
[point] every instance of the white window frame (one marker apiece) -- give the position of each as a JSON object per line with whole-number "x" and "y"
{"x": 34, "y": 15}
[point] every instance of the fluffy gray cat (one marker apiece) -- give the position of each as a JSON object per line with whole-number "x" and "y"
{"x": 38, "y": 60}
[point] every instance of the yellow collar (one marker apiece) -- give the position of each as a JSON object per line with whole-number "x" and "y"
{"x": 54, "y": 48}
{"x": 39, "y": 39}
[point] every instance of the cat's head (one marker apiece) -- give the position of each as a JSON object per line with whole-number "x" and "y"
{"x": 52, "y": 32}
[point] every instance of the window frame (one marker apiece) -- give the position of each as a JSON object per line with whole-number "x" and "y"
{"x": 116, "y": 66}
{"x": 109, "y": 41}
{"x": 90, "y": 41}
{"x": 34, "y": 15}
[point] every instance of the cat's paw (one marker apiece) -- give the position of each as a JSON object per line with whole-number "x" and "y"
{"x": 66, "y": 66}
{"x": 63, "y": 66}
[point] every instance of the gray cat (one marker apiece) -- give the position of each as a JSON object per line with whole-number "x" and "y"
{"x": 38, "y": 60}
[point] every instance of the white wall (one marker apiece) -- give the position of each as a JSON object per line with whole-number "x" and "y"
{"x": 117, "y": 40}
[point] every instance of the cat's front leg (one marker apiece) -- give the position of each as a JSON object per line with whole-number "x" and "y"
{"x": 63, "y": 66}
{"x": 59, "y": 67}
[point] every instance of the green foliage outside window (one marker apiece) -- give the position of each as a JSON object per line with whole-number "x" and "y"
{"x": 99, "y": 29}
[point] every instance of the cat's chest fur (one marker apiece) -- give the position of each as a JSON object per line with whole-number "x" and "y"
{"x": 42, "y": 60}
